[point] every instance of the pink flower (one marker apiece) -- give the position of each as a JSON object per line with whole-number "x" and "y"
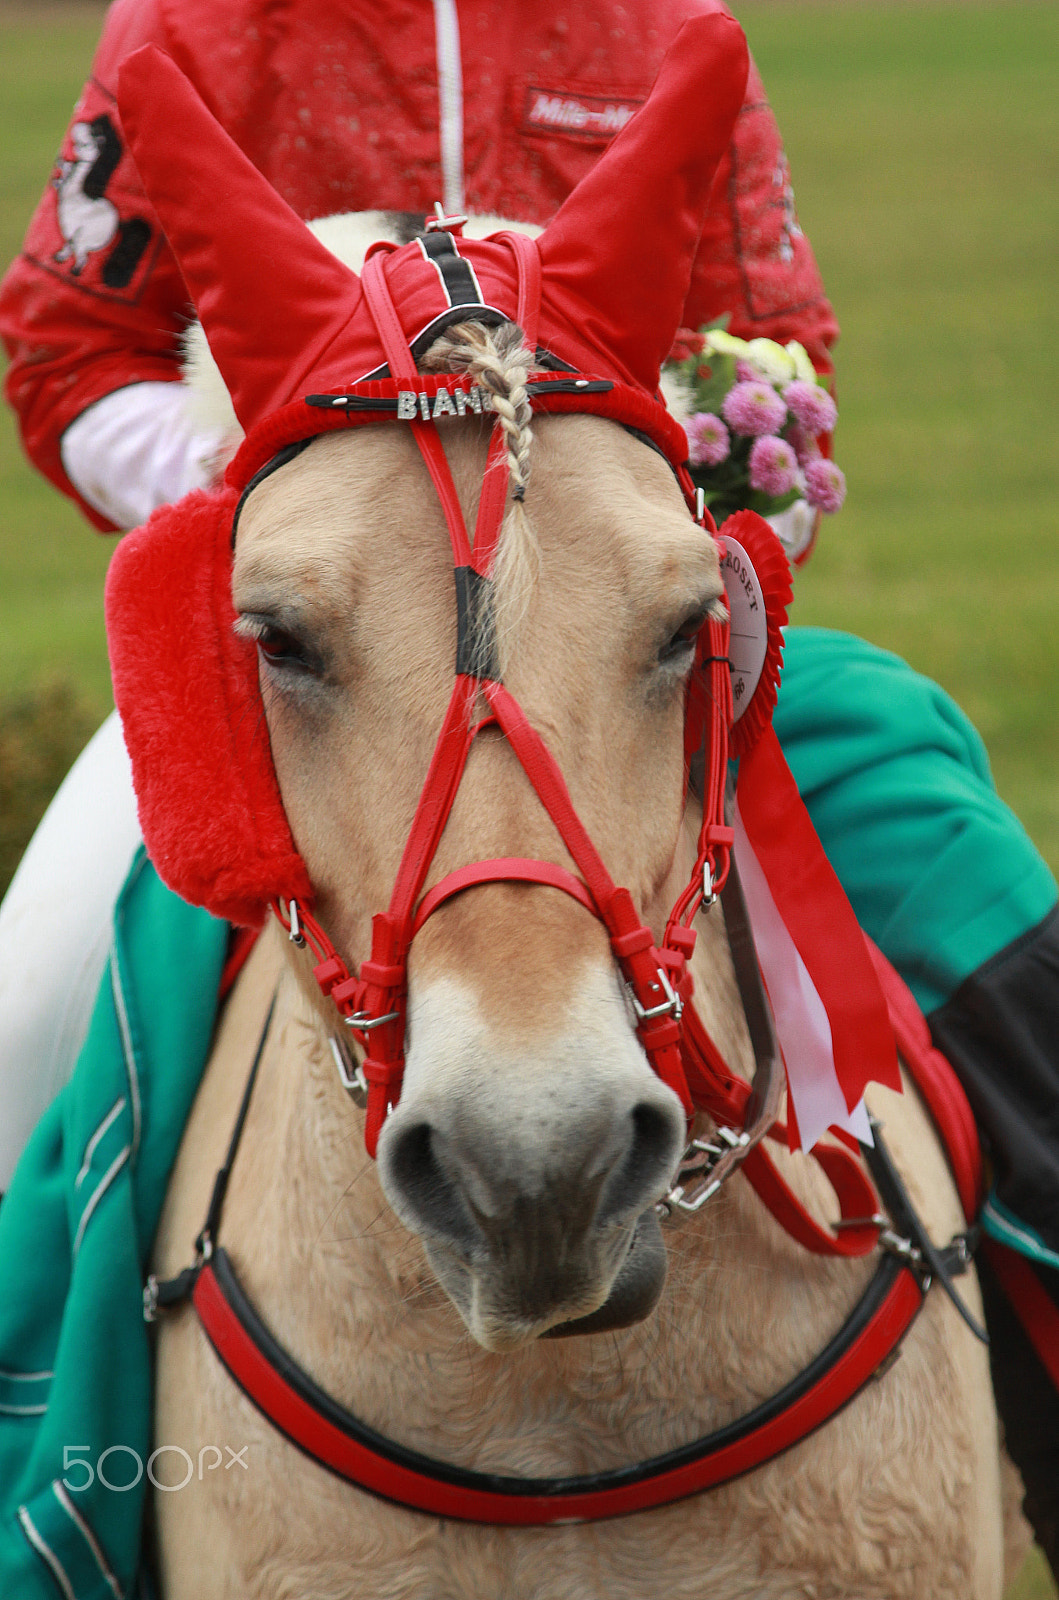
{"x": 754, "y": 409}
{"x": 745, "y": 373}
{"x": 773, "y": 466}
{"x": 811, "y": 405}
{"x": 708, "y": 441}
{"x": 825, "y": 485}
{"x": 803, "y": 442}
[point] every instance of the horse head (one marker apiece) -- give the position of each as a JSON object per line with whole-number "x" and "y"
{"x": 529, "y": 1138}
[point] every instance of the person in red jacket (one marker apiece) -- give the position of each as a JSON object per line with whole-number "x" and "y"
{"x": 497, "y": 110}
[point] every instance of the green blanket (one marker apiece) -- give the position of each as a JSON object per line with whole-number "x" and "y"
{"x": 75, "y": 1231}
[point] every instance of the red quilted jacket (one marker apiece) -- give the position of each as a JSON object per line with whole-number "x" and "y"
{"x": 338, "y": 104}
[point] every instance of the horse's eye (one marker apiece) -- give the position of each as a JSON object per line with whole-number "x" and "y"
{"x": 681, "y": 647}
{"x": 275, "y": 645}
{"x": 282, "y": 650}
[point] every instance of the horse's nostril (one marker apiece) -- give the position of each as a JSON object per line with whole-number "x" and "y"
{"x": 643, "y": 1173}
{"x": 421, "y": 1192}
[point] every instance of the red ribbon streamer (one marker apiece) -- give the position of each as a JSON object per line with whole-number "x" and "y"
{"x": 819, "y": 918}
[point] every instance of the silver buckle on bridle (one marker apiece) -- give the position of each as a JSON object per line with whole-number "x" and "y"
{"x": 672, "y": 1005}
{"x": 364, "y": 1022}
{"x": 695, "y": 1176}
{"x": 350, "y": 1071}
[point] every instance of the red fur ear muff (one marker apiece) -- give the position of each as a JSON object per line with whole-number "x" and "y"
{"x": 187, "y": 692}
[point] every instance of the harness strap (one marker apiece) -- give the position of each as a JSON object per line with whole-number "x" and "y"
{"x": 395, "y": 346}
{"x": 163, "y": 1295}
{"x": 402, "y": 367}
{"x": 436, "y": 799}
{"x": 203, "y": 1244}
{"x": 548, "y": 783}
{"x": 895, "y": 1197}
{"x": 339, "y": 1441}
{"x": 491, "y": 502}
{"x": 507, "y": 869}
{"x": 528, "y": 311}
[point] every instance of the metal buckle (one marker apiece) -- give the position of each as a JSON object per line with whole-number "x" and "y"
{"x": 295, "y": 933}
{"x": 350, "y": 1072}
{"x": 695, "y": 1181}
{"x": 440, "y": 223}
{"x": 364, "y": 1022}
{"x": 903, "y": 1249}
{"x": 708, "y": 896}
{"x": 876, "y": 1220}
{"x": 896, "y": 1244}
{"x": 671, "y": 1005}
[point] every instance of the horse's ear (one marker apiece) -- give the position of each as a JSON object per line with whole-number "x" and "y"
{"x": 270, "y": 296}
{"x": 187, "y": 692}
{"x": 619, "y": 252}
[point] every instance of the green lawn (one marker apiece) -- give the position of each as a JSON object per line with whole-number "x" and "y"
{"x": 51, "y": 563}
{"x": 924, "y": 142}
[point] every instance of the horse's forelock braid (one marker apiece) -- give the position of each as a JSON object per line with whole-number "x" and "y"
{"x": 499, "y": 361}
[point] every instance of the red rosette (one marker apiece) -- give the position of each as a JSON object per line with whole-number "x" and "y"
{"x": 757, "y": 578}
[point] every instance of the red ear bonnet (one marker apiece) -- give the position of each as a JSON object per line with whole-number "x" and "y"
{"x": 616, "y": 258}
{"x": 283, "y": 319}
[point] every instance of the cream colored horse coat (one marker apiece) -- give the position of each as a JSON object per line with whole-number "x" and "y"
{"x": 515, "y": 1010}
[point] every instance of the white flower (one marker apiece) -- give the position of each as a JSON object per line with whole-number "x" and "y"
{"x": 774, "y": 363}
{"x": 725, "y": 344}
{"x": 794, "y": 527}
{"x": 803, "y": 367}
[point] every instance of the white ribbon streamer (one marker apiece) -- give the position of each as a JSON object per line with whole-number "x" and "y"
{"x": 802, "y": 1025}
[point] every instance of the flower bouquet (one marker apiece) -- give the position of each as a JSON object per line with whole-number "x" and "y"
{"x": 755, "y": 411}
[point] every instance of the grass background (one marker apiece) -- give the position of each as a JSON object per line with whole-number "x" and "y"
{"x": 51, "y": 563}
{"x": 924, "y": 142}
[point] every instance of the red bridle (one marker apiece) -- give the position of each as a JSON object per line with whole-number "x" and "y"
{"x": 674, "y": 1039}
{"x": 374, "y": 1001}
